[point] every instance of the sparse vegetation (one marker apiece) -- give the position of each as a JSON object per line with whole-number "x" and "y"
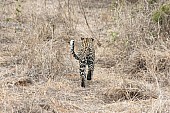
{"x": 39, "y": 75}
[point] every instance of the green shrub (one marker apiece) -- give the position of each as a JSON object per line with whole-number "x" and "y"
{"x": 166, "y": 9}
{"x": 152, "y": 1}
{"x": 162, "y": 16}
{"x": 161, "y": 13}
{"x": 157, "y": 16}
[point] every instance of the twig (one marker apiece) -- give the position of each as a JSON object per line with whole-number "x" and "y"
{"x": 83, "y": 12}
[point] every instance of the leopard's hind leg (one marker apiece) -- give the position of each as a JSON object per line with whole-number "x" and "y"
{"x": 83, "y": 72}
{"x": 90, "y": 63}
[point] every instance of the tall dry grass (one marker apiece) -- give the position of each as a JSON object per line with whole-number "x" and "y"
{"x": 38, "y": 74}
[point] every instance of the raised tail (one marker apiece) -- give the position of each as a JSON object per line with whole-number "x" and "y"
{"x": 72, "y": 50}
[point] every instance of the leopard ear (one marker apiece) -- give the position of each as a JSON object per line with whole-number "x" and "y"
{"x": 82, "y": 38}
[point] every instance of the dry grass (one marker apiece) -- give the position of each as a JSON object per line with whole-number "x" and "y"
{"x": 38, "y": 74}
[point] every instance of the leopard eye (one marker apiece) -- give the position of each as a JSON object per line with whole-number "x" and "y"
{"x": 92, "y": 39}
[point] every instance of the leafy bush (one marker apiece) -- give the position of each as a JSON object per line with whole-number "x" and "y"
{"x": 161, "y": 13}
{"x": 162, "y": 16}
{"x": 152, "y": 1}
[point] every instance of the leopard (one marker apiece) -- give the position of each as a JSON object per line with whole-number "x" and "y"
{"x": 86, "y": 57}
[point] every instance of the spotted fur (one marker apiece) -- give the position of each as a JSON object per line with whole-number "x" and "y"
{"x": 86, "y": 56}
